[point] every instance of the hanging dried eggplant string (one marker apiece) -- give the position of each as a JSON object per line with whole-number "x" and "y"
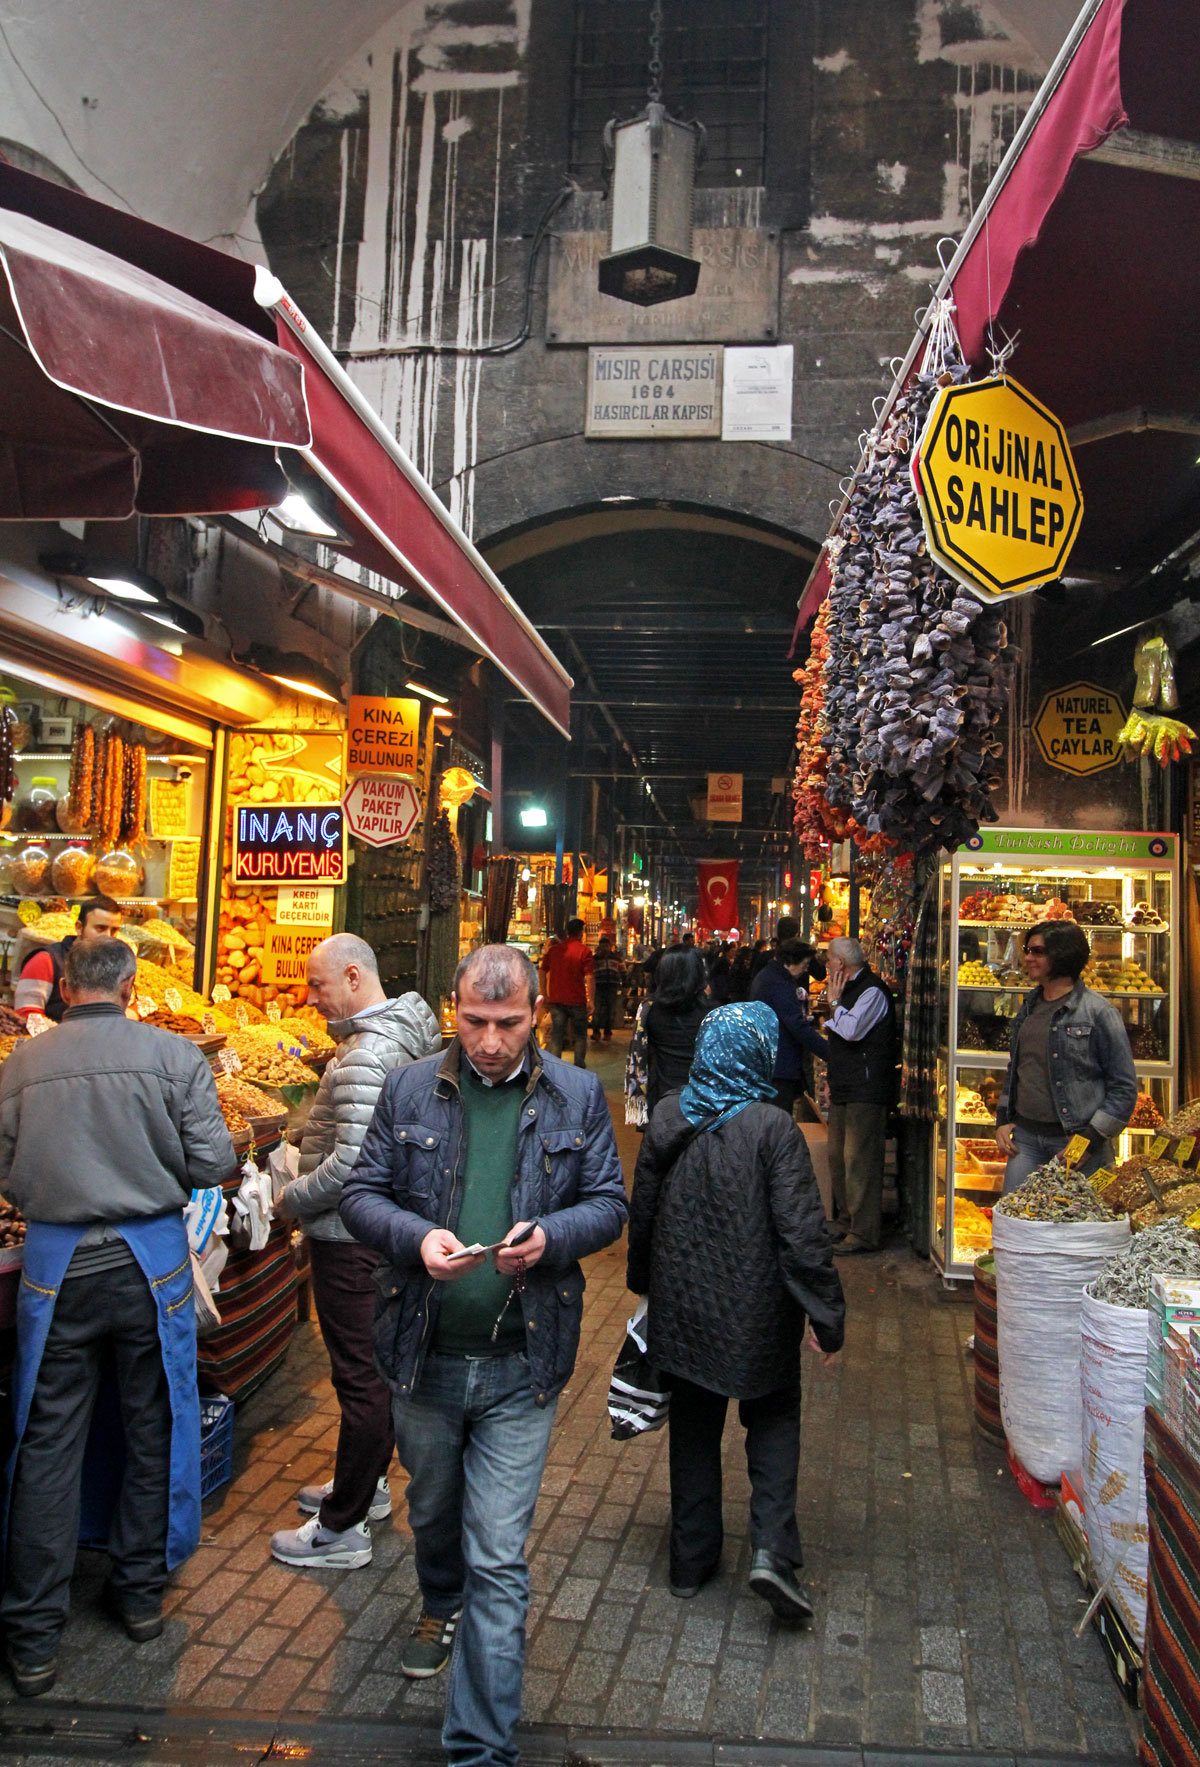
{"x": 918, "y": 670}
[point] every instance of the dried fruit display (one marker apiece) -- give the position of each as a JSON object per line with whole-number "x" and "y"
{"x": 12, "y": 1226}
{"x": 1184, "y": 1200}
{"x": 52, "y": 927}
{"x": 1096, "y": 914}
{"x": 1129, "y": 1189}
{"x": 119, "y": 874}
{"x": 1186, "y": 1120}
{"x": 235, "y": 1122}
{"x": 269, "y": 1066}
{"x": 1054, "y": 1192}
{"x": 261, "y": 771}
{"x": 71, "y": 871}
{"x": 30, "y": 871}
{"x": 8, "y": 1042}
{"x": 180, "y": 1022}
{"x": 918, "y": 671}
{"x": 241, "y": 1095}
{"x": 1146, "y": 1114}
{"x": 1167, "y": 1249}
{"x": 1146, "y": 919}
{"x": 11, "y": 1023}
{"x": 133, "y": 797}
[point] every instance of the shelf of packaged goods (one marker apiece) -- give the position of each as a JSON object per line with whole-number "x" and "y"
{"x": 999, "y": 1058}
{"x": 999, "y": 987}
{"x": 1024, "y": 926}
{"x": 121, "y": 901}
{"x": 974, "y": 1122}
{"x": 158, "y": 840}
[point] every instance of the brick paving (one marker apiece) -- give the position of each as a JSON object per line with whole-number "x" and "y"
{"x": 945, "y": 1605}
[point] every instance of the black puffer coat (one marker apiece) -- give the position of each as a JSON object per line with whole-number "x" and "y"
{"x": 730, "y": 1245}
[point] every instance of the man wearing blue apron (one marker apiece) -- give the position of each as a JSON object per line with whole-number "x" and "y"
{"x": 106, "y": 1127}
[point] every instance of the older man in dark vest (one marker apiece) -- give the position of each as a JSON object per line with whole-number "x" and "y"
{"x": 860, "y": 1055}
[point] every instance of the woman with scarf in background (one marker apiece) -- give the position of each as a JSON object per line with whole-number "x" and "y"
{"x": 727, "y": 1238}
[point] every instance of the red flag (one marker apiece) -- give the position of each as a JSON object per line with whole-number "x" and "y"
{"x": 718, "y": 880}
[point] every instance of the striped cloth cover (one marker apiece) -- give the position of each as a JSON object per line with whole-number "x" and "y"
{"x": 986, "y": 1355}
{"x": 1171, "y": 1678}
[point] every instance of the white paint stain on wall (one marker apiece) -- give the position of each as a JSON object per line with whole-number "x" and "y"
{"x": 893, "y": 177}
{"x": 833, "y": 64}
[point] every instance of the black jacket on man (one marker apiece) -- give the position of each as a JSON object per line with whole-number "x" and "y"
{"x": 729, "y": 1242}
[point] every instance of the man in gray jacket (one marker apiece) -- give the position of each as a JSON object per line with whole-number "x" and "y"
{"x": 373, "y": 1035}
{"x": 106, "y": 1127}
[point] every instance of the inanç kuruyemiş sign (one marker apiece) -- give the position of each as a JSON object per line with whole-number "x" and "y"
{"x": 289, "y": 843}
{"x": 997, "y": 487}
{"x": 1077, "y": 728}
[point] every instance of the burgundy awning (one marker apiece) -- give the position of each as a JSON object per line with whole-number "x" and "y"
{"x": 398, "y": 525}
{"x": 140, "y": 371}
{"x": 1086, "y": 250}
{"x": 121, "y": 392}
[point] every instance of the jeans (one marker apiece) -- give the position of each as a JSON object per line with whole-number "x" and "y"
{"x": 475, "y": 1444}
{"x": 578, "y": 1016}
{"x": 697, "y": 1422}
{"x": 1030, "y": 1151}
{"x": 345, "y": 1298}
{"x": 857, "y": 1133}
{"x": 112, "y": 1312}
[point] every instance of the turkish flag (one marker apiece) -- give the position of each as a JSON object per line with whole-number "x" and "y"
{"x": 718, "y": 880}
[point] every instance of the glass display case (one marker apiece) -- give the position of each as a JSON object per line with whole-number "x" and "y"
{"x": 1121, "y": 889}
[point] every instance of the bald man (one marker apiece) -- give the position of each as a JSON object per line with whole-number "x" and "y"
{"x": 373, "y": 1035}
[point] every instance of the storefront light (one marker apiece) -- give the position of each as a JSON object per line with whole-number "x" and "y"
{"x": 427, "y": 692}
{"x": 298, "y": 516}
{"x": 533, "y": 816}
{"x": 123, "y": 589}
{"x": 441, "y": 712}
{"x": 292, "y": 669}
{"x": 526, "y": 874}
{"x": 639, "y": 901}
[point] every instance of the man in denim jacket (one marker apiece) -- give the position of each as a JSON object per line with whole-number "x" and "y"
{"x": 1070, "y": 1069}
{"x": 493, "y": 1145}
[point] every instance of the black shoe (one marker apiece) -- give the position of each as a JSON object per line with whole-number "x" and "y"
{"x": 141, "y": 1628}
{"x": 852, "y": 1248}
{"x": 30, "y": 1679}
{"x": 836, "y": 1229}
{"x": 772, "y": 1577}
{"x": 684, "y": 1588}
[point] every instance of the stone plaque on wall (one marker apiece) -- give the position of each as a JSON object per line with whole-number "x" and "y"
{"x": 737, "y": 300}
{"x": 654, "y": 390}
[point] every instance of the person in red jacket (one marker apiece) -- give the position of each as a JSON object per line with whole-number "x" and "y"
{"x": 37, "y": 988}
{"x": 569, "y": 965}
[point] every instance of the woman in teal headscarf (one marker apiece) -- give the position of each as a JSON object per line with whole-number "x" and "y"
{"x": 727, "y": 1237}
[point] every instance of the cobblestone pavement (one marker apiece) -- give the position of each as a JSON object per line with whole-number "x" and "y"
{"x": 945, "y": 1604}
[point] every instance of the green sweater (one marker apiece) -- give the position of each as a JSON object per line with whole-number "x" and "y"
{"x": 472, "y": 1303}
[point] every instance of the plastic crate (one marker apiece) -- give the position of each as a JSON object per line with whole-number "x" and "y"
{"x": 216, "y": 1443}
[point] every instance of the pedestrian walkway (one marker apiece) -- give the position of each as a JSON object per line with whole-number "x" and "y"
{"x": 945, "y": 1605}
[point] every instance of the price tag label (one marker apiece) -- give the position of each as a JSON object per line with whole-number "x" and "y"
{"x": 1193, "y": 1220}
{"x": 174, "y": 1000}
{"x": 208, "y": 1024}
{"x": 146, "y": 1006}
{"x": 274, "y": 1012}
{"x": 221, "y": 994}
{"x": 1185, "y": 1150}
{"x": 230, "y": 1060}
{"x": 1158, "y": 1147}
{"x": 241, "y": 1015}
{"x": 1076, "y": 1149}
{"x": 37, "y": 1022}
{"x": 28, "y": 912}
{"x": 1101, "y": 1179}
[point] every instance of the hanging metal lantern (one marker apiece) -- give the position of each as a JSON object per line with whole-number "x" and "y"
{"x": 653, "y": 161}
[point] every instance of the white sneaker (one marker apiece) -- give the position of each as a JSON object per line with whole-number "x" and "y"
{"x": 311, "y": 1497}
{"x": 311, "y": 1544}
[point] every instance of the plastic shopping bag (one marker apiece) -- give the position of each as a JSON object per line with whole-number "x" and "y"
{"x": 638, "y": 1396}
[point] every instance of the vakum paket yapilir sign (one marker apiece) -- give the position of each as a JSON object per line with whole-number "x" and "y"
{"x": 659, "y": 390}
{"x": 1077, "y": 728}
{"x": 997, "y": 487}
{"x": 289, "y": 843}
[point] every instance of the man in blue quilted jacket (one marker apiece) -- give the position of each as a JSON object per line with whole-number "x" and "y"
{"x": 486, "y": 1174}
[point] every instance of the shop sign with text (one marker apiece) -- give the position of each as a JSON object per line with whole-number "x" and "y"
{"x": 285, "y": 955}
{"x": 305, "y": 907}
{"x": 661, "y": 390}
{"x": 286, "y": 843}
{"x": 1071, "y": 843}
{"x": 998, "y": 490}
{"x": 382, "y": 735}
{"x": 724, "y": 797}
{"x": 1077, "y": 728}
{"x": 381, "y": 809}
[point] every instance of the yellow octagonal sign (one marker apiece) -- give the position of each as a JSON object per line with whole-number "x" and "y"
{"x": 997, "y": 487}
{"x": 1077, "y": 728}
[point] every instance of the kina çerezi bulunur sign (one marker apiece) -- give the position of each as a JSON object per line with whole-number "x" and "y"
{"x": 997, "y": 487}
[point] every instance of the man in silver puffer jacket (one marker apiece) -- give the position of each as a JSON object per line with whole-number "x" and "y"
{"x": 373, "y": 1035}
